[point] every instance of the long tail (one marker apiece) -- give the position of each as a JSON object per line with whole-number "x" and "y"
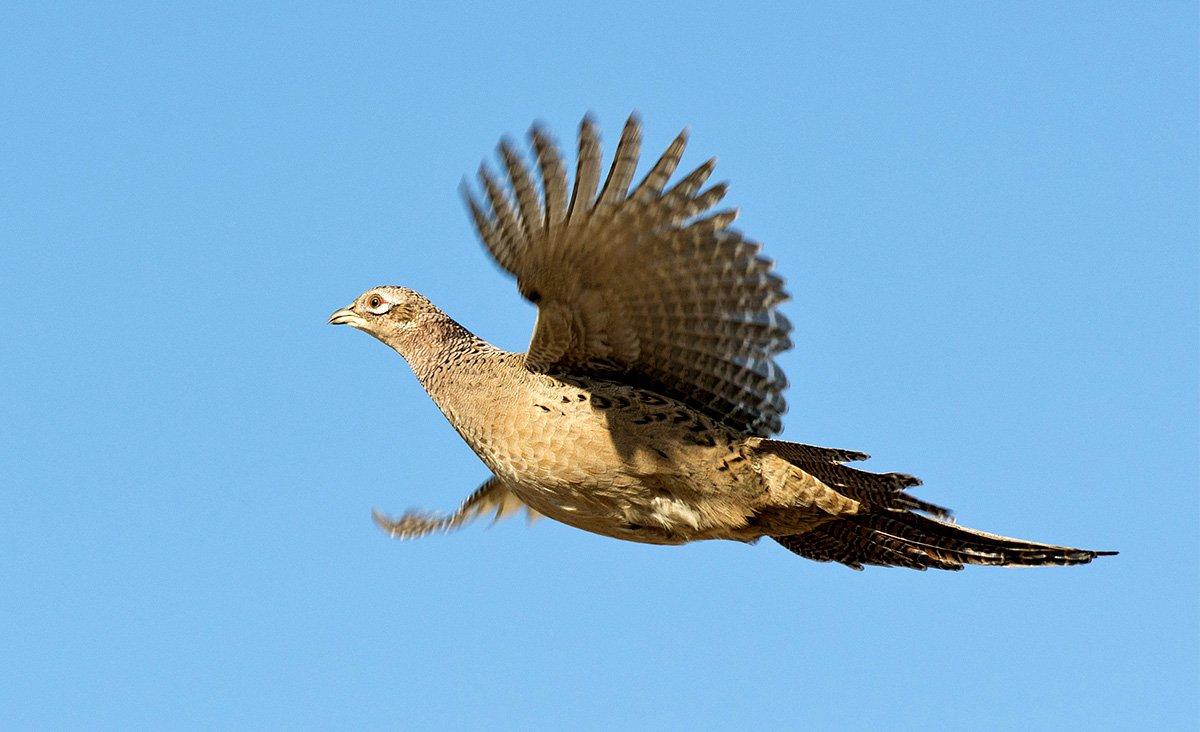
{"x": 906, "y": 539}
{"x": 888, "y": 532}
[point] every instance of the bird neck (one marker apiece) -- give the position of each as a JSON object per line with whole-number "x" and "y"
{"x": 434, "y": 343}
{"x": 463, "y": 374}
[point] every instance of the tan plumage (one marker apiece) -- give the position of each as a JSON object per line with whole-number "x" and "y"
{"x": 644, "y": 406}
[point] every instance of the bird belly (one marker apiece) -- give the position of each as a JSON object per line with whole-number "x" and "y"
{"x": 591, "y": 463}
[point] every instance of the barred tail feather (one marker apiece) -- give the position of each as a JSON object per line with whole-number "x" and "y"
{"x": 882, "y": 490}
{"x": 905, "y": 539}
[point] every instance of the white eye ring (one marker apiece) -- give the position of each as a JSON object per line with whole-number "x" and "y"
{"x": 376, "y": 305}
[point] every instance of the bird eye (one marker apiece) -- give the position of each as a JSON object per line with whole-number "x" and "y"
{"x": 377, "y": 305}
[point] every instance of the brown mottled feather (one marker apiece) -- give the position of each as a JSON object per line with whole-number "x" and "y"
{"x": 554, "y": 177}
{"x": 652, "y": 185}
{"x": 638, "y": 286}
{"x": 587, "y": 171}
{"x": 522, "y": 185}
{"x": 624, "y": 163}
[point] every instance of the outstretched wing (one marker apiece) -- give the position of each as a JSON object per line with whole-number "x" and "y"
{"x": 491, "y": 497}
{"x": 645, "y": 286}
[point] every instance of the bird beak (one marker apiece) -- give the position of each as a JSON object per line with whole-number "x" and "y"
{"x": 346, "y": 316}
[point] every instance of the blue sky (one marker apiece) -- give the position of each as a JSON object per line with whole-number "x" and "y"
{"x": 987, "y": 218}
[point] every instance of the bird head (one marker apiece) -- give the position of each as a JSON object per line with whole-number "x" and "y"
{"x": 388, "y": 313}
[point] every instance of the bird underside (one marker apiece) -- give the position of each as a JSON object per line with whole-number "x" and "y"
{"x": 836, "y": 514}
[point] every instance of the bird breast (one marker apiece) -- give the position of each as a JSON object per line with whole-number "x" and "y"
{"x": 595, "y": 454}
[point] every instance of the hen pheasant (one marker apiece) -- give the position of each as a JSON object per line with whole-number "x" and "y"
{"x": 645, "y": 405}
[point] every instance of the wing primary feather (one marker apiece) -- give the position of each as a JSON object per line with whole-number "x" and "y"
{"x": 623, "y": 165}
{"x": 492, "y": 496}
{"x": 587, "y": 170}
{"x": 506, "y": 232}
{"x": 689, "y": 184}
{"x": 483, "y": 225}
{"x": 652, "y": 185}
{"x": 708, "y": 198}
{"x": 554, "y": 177}
{"x": 718, "y": 221}
{"x": 501, "y": 208}
{"x": 527, "y": 199}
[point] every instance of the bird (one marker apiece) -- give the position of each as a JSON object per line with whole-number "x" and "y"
{"x": 646, "y": 406}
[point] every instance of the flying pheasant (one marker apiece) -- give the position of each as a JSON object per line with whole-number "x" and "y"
{"x": 646, "y": 403}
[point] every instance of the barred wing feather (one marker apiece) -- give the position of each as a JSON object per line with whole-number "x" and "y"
{"x": 649, "y": 287}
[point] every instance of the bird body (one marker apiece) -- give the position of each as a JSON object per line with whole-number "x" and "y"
{"x": 672, "y": 476}
{"x": 645, "y": 406}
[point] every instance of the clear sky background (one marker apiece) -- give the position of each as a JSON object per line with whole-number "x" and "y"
{"x": 987, "y": 218}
